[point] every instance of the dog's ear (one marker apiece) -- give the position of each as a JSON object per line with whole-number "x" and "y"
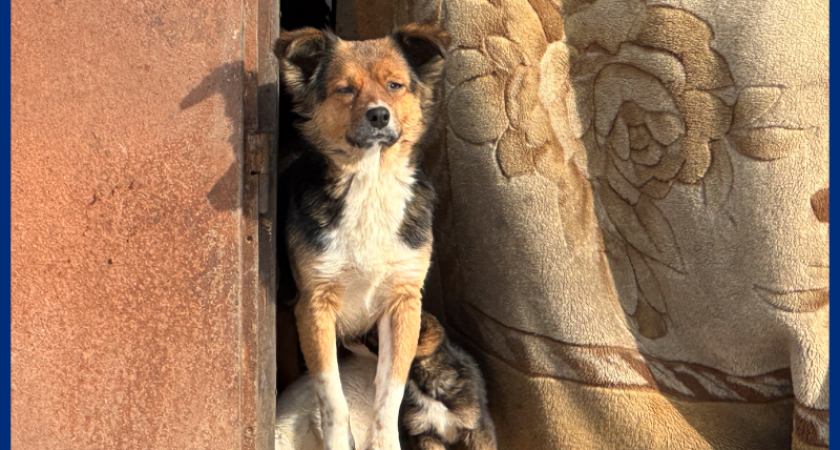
{"x": 431, "y": 335}
{"x": 424, "y": 48}
{"x": 300, "y": 53}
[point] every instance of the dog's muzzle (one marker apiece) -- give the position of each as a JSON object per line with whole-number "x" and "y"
{"x": 376, "y": 128}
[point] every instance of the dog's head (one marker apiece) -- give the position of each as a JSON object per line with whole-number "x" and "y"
{"x": 360, "y": 95}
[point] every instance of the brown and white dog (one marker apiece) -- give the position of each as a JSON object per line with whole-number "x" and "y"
{"x": 359, "y": 216}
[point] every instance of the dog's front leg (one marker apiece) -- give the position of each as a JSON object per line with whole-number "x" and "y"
{"x": 399, "y": 329}
{"x": 316, "y": 314}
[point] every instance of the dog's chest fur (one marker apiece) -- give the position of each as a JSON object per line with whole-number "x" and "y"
{"x": 366, "y": 238}
{"x": 366, "y": 247}
{"x": 363, "y": 233}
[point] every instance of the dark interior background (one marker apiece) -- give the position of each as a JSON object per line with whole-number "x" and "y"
{"x": 294, "y": 14}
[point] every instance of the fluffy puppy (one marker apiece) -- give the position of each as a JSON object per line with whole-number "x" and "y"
{"x": 359, "y": 208}
{"x": 298, "y": 424}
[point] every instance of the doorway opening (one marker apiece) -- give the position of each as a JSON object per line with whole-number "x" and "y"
{"x": 294, "y": 14}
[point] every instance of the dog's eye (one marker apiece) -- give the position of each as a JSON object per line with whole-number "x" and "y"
{"x": 345, "y": 90}
{"x": 392, "y": 85}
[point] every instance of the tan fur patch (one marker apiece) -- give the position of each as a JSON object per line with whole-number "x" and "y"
{"x": 405, "y": 311}
{"x": 316, "y": 314}
{"x": 431, "y": 335}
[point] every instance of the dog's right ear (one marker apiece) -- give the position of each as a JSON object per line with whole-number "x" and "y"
{"x": 424, "y": 48}
{"x": 300, "y": 53}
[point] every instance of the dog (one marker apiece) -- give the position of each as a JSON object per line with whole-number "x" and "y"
{"x": 445, "y": 402}
{"x": 359, "y": 207}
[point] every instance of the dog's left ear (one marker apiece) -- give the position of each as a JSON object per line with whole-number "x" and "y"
{"x": 300, "y": 53}
{"x": 424, "y": 48}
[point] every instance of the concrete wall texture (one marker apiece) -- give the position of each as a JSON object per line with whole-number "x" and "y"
{"x": 134, "y": 229}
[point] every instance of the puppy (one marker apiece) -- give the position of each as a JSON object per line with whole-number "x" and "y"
{"x": 445, "y": 405}
{"x": 359, "y": 214}
{"x": 298, "y": 424}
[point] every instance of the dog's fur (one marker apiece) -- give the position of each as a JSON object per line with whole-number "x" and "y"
{"x": 298, "y": 423}
{"x": 445, "y": 404}
{"x": 359, "y": 216}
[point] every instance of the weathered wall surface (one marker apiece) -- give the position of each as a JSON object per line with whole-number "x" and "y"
{"x": 134, "y": 317}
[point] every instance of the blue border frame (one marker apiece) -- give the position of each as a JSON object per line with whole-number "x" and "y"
{"x": 7, "y": 243}
{"x": 834, "y": 178}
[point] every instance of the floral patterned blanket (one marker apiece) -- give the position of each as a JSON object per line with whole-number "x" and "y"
{"x": 633, "y": 229}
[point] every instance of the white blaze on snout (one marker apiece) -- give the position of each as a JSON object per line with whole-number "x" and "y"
{"x": 379, "y": 103}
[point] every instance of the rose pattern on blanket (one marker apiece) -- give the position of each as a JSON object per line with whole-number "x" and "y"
{"x": 654, "y": 111}
{"x": 495, "y": 95}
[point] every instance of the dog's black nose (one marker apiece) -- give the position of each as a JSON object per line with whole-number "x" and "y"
{"x": 378, "y": 116}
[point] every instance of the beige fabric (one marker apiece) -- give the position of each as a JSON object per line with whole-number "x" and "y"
{"x": 633, "y": 232}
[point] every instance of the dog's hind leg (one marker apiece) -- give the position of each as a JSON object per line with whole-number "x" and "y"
{"x": 316, "y": 314}
{"x": 399, "y": 329}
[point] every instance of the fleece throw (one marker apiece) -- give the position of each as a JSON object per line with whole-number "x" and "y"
{"x": 632, "y": 236}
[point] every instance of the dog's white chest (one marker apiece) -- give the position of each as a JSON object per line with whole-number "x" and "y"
{"x": 366, "y": 249}
{"x": 367, "y": 236}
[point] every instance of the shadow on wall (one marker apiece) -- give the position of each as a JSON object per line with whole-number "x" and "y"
{"x": 226, "y": 81}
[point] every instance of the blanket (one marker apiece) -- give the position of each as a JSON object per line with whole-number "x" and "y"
{"x": 632, "y": 236}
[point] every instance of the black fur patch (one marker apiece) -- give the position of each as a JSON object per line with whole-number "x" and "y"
{"x": 313, "y": 207}
{"x": 319, "y": 82}
{"x": 415, "y": 230}
{"x": 417, "y": 51}
{"x": 414, "y": 84}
